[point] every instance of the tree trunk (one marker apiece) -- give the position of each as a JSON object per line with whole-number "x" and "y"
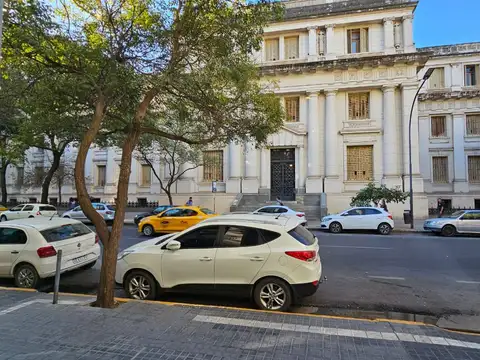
{"x": 48, "y": 178}
{"x": 168, "y": 191}
{"x": 59, "y": 183}
{"x": 3, "y": 180}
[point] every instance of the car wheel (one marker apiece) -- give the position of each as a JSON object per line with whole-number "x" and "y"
{"x": 140, "y": 285}
{"x": 89, "y": 266}
{"x": 66, "y": 217}
{"x": 26, "y": 277}
{"x": 31, "y": 217}
{"x": 3, "y": 218}
{"x": 449, "y": 230}
{"x": 148, "y": 230}
{"x": 273, "y": 294}
{"x": 384, "y": 229}
{"x": 335, "y": 227}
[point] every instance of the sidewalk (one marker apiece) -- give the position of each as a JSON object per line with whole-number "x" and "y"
{"x": 32, "y": 327}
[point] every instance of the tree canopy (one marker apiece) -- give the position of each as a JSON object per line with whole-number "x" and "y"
{"x": 374, "y": 194}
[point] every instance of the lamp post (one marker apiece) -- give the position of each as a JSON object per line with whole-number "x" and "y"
{"x": 425, "y": 78}
{"x": 1, "y": 27}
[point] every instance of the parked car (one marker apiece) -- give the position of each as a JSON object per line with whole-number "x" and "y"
{"x": 359, "y": 218}
{"x": 460, "y": 222}
{"x": 107, "y": 211}
{"x": 174, "y": 220}
{"x": 274, "y": 261}
{"x": 3, "y": 208}
{"x": 28, "y": 211}
{"x": 155, "y": 211}
{"x": 28, "y": 248}
{"x": 283, "y": 210}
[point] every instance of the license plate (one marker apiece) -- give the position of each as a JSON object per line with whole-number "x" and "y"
{"x": 80, "y": 259}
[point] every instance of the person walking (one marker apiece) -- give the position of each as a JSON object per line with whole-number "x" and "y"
{"x": 279, "y": 202}
{"x": 189, "y": 202}
{"x": 383, "y": 205}
{"x": 440, "y": 207}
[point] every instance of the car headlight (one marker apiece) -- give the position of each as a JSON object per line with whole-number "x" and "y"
{"x": 124, "y": 253}
{"x": 326, "y": 219}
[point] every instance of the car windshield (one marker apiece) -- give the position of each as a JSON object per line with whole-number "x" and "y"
{"x": 302, "y": 235}
{"x": 111, "y": 207}
{"x": 456, "y": 214}
{"x": 207, "y": 211}
{"x": 65, "y": 232}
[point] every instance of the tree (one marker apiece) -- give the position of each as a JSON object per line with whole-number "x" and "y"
{"x": 373, "y": 193}
{"x": 187, "y": 61}
{"x": 172, "y": 155}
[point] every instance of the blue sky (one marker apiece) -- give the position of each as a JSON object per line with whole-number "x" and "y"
{"x": 444, "y": 22}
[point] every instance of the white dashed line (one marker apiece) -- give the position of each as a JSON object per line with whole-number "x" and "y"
{"x": 387, "y": 336}
{"x": 387, "y": 277}
{"x": 356, "y": 247}
{"x": 38, "y": 301}
{"x": 468, "y": 282}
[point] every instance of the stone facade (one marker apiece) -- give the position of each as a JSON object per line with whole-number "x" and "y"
{"x": 346, "y": 72}
{"x": 449, "y": 124}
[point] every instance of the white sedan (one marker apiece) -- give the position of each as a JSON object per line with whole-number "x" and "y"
{"x": 359, "y": 218}
{"x": 26, "y": 211}
{"x": 28, "y": 248}
{"x": 281, "y": 210}
{"x": 273, "y": 261}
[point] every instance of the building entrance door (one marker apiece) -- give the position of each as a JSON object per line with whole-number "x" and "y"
{"x": 282, "y": 165}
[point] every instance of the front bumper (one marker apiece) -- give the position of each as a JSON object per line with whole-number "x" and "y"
{"x": 432, "y": 228}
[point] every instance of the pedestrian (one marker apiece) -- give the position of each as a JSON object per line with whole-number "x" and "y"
{"x": 279, "y": 202}
{"x": 71, "y": 204}
{"x": 189, "y": 202}
{"x": 383, "y": 205}
{"x": 440, "y": 207}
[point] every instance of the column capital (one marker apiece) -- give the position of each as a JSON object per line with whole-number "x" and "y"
{"x": 312, "y": 28}
{"x": 388, "y": 88}
{"x": 388, "y": 20}
{"x": 311, "y": 93}
{"x": 409, "y": 86}
{"x": 407, "y": 17}
{"x": 331, "y": 92}
{"x": 329, "y": 26}
{"x": 458, "y": 114}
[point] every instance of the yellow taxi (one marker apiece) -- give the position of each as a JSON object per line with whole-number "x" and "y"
{"x": 3, "y": 208}
{"x": 174, "y": 220}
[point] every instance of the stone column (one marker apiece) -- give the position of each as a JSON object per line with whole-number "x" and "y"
{"x": 314, "y": 180}
{"x": 408, "y": 43}
{"x": 330, "y": 52}
{"x": 281, "y": 47}
{"x": 235, "y": 168}
{"x": 408, "y": 94}
{"x": 388, "y": 36}
{"x": 186, "y": 182}
{"x": 312, "y": 43}
{"x": 391, "y": 175}
{"x": 111, "y": 179}
{"x": 251, "y": 181}
{"x": 460, "y": 183}
{"x": 264, "y": 172}
{"x": 302, "y": 171}
{"x": 332, "y": 183}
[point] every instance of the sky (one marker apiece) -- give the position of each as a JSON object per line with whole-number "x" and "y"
{"x": 446, "y": 22}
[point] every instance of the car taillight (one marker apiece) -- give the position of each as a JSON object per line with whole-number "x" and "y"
{"x": 109, "y": 212}
{"x": 46, "y": 251}
{"x": 390, "y": 217}
{"x": 39, "y": 213}
{"x": 300, "y": 215}
{"x": 97, "y": 239}
{"x": 302, "y": 255}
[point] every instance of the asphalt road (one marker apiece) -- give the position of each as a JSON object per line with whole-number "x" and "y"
{"x": 409, "y": 273}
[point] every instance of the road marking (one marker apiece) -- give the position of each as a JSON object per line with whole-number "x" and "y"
{"x": 356, "y": 247}
{"x": 40, "y": 301}
{"x": 387, "y": 277}
{"x": 386, "y": 336}
{"x": 468, "y": 282}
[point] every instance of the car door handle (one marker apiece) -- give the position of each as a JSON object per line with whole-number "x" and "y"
{"x": 183, "y": 222}
{"x": 206, "y": 258}
{"x": 15, "y": 252}
{"x": 256, "y": 258}
{"x": 164, "y": 222}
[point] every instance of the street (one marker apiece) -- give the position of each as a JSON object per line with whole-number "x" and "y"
{"x": 413, "y": 273}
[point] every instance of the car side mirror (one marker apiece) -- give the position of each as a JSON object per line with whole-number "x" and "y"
{"x": 173, "y": 245}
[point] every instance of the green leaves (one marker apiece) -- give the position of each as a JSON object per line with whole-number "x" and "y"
{"x": 374, "y": 194}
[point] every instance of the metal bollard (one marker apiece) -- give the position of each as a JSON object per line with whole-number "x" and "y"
{"x": 57, "y": 277}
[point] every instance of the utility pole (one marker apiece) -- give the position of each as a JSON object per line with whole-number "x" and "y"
{"x": 1, "y": 28}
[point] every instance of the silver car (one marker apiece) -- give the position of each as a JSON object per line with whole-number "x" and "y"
{"x": 460, "y": 222}
{"x": 107, "y": 211}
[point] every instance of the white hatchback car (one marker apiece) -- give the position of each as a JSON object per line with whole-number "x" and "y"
{"x": 359, "y": 218}
{"x": 28, "y": 248}
{"x": 273, "y": 261}
{"x": 276, "y": 210}
{"x": 26, "y": 211}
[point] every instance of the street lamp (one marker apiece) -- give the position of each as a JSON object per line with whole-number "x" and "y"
{"x": 425, "y": 78}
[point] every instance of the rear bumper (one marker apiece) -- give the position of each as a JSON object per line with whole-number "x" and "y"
{"x": 304, "y": 290}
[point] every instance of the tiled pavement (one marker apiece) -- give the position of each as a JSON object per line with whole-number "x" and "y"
{"x": 36, "y": 329}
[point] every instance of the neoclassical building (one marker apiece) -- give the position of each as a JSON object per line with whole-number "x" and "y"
{"x": 347, "y": 73}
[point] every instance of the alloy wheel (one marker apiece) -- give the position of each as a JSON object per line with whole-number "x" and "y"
{"x": 272, "y": 296}
{"x": 148, "y": 230}
{"x": 139, "y": 287}
{"x": 26, "y": 278}
{"x": 335, "y": 228}
{"x": 384, "y": 229}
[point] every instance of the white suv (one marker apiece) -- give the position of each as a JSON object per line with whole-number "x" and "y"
{"x": 25, "y": 211}
{"x": 274, "y": 261}
{"x": 28, "y": 248}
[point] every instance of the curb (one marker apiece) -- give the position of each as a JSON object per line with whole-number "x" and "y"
{"x": 395, "y": 230}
